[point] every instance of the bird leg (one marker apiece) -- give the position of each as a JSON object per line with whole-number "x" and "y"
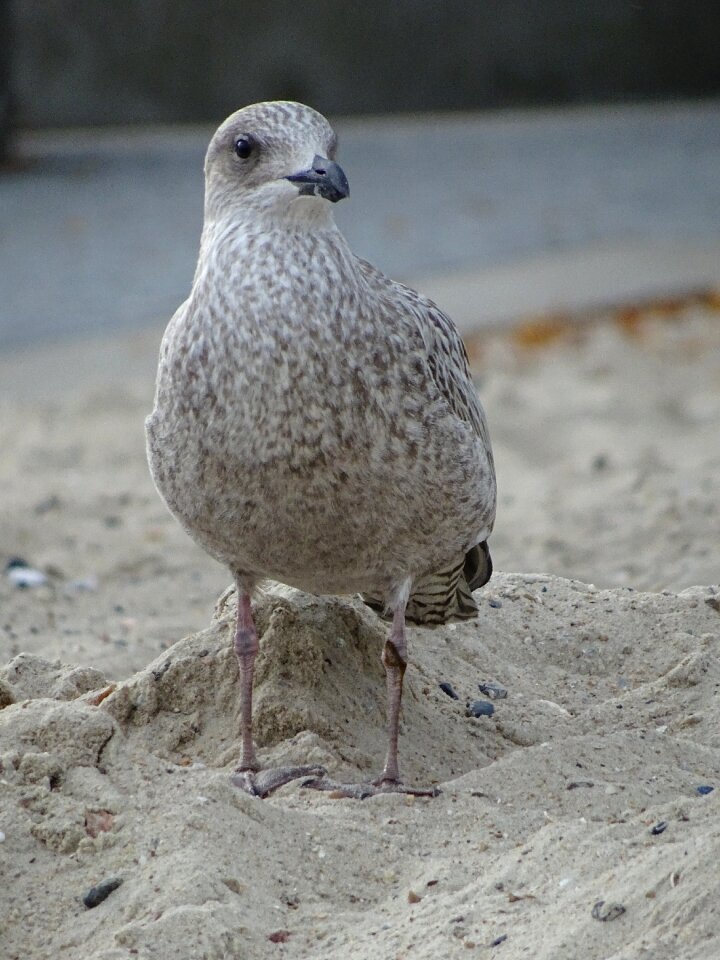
{"x": 248, "y": 776}
{"x": 246, "y": 648}
{"x": 394, "y": 659}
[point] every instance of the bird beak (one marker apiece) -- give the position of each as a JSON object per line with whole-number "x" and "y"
{"x": 324, "y": 179}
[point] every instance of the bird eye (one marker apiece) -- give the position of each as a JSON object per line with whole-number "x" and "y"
{"x": 244, "y": 146}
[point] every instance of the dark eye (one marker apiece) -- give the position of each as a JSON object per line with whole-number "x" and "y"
{"x": 244, "y": 146}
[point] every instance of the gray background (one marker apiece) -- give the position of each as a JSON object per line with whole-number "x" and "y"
{"x": 99, "y": 227}
{"x": 91, "y": 61}
{"x": 101, "y": 230}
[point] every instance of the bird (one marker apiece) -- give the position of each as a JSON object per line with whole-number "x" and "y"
{"x": 315, "y": 422}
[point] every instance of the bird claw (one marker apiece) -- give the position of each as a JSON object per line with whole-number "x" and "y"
{"x": 264, "y": 782}
{"x": 361, "y": 791}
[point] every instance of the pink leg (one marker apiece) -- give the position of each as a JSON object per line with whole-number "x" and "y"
{"x": 394, "y": 659}
{"x": 246, "y": 648}
{"x": 248, "y": 776}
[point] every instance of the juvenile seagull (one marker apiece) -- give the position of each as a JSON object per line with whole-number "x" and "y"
{"x": 315, "y": 422}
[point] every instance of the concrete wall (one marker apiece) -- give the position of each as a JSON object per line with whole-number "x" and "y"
{"x": 93, "y": 61}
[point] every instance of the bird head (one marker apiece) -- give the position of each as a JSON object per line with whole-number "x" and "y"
{"x": 273, "y": 159}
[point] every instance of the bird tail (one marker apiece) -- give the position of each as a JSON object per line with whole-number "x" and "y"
{"x": 447, "y": 594}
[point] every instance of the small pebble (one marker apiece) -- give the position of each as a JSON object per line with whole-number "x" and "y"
{"x": 498, "y": 940}
{"x": 494, "y": 602}
{"x": 704, "y": 790}
{"x": 280, "y": 936}
{"x": 492, "y": 690}
{"x": 2, "y": 837}
{"x": 23, "y": 576}
{"x": 448, "y": 689}
{"x": 660, "y": 827}
{"x": 480, "y": 708}
{"x": 50, "y": 503}
{"x": 607, "y": 911}
{"x": 95, "y": 895}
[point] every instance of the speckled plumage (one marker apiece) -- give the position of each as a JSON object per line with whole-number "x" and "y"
{"x": 315, "y": 422}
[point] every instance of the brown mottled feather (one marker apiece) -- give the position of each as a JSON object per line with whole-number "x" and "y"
{"x": 315, "y": 422}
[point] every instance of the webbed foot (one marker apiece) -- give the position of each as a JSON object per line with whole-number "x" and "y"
{"x": 361, "y": 791}
{"x": 261, "y": 783}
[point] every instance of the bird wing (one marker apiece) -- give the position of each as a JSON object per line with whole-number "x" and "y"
{"x": 442, "y": 595}
{"x": 446, "y": 355}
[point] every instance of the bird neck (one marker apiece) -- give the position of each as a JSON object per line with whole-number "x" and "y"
{"x": 229, "y": 243}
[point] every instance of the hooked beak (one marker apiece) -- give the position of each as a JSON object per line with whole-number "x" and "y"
{"x": 324, "y": 179}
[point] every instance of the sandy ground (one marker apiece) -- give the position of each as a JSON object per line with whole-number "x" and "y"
{"x": 582, "y": 787}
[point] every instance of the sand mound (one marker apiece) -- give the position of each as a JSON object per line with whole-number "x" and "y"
{"x": 610, "y": 725}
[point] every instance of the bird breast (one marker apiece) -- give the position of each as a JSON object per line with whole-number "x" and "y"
{"x": 290, "y": 409}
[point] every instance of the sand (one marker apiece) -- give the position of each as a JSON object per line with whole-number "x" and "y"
{"x": 117, "y": 737}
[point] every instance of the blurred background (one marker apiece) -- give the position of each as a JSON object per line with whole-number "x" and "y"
{"x": 83, "y": 62}
{"x": 549, "y": 173}
{"x": 475, "y": 135}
